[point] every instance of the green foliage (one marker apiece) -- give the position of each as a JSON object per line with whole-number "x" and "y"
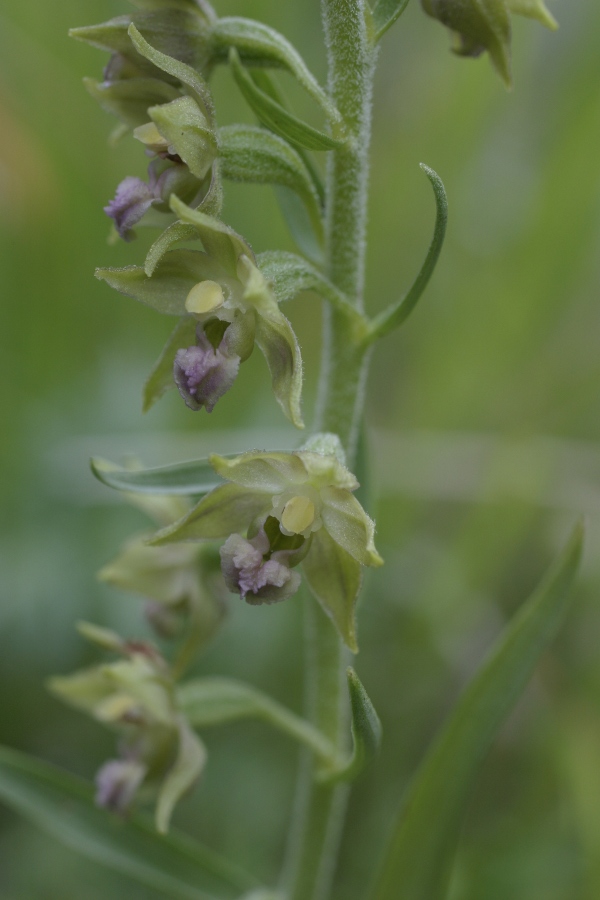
{"x": 419, "y": 859}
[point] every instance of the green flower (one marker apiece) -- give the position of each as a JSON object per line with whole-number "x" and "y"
{"x": 135, "y": 696}
{"x": 480, "y": 25}
{"x": 302, "y": 504}
{"x": 226, "y": 307}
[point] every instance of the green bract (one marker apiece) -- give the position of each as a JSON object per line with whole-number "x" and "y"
{"x": 309, "y": 495}
{"x": 480, "y": 25}
{"x": 223, "y": 295}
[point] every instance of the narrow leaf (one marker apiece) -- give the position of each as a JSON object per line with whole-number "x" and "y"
{"x": 63, "y": 806}
{"x": 188, "y": 478}
{"x": 161, "y": 378}
{"x": 255, "y": 155}
{"x": 397, "y": 314}
{"x": 216, "y": 701}
{"x": 366, "y": 732}
{"x": 258, "y": 44}
{"x": 419, "y": 859}
{"x": 386, "y": 12}
{"x": 275, "y": 117}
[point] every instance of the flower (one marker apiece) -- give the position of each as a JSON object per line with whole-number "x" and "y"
{"x": 136, "y": 696}
{"x": 294, "y": 508}
{"x": 480, "y": 25}
{"x": 225, "y": 303}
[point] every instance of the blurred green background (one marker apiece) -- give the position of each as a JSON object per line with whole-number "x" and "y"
{"x": 484, "y": 439}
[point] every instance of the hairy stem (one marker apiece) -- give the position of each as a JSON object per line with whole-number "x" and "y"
{"x": 319, "y": 815}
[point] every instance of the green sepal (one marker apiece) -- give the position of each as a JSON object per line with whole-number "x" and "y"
{"x": 366, "y": 732}
{"x": 275, "y": 117}
{"x": 220, "y": 241}
{"x": 255, "y": 155}
{"x": 477, "y": 25}
{"x": 176, "y": 34}
{"x": 188, "y": 478}
{"x": 173, "y": 279}
{"x": 130, "y": 98}
{"x": 349, "y": 525}
{"x": 258, "y": 44}
{"x": 533, "y": 9}
{"x": 181, "y": 777}
{"x": 176, "y": 233}
{"x": 228, "y": 509}
{"x": 278, "y": 343}
{"x": 187, "y": 130}
{"x": 270, "y": 471}
{"x": 62, "y": 805}
{"x": 334, "y": 578}
{"x": 177, "y": 67}
{"x": 418, "y": 861}
{"x": 384, "y": 14}
{"x": 161, "y": 378}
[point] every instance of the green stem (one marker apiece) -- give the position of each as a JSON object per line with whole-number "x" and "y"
{"x": 319, "y": 815}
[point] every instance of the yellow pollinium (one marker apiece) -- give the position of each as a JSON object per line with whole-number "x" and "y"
{"x": 150, "y": 135}
{"x": 298, "y": 514}
{"x": 204, "y": 297}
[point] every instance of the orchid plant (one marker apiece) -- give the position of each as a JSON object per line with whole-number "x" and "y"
{"x": 263, "y": 525}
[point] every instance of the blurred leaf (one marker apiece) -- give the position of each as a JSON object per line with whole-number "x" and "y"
{"x": 183, "y": 774}
{"x": 386, "y": 12}
{"x": 255, "y": 155}
{"x": 419, "y": 859}
{"x": 216, "y": 701}
{"x": 194, "y": 477}
{"x": 63, "y": 806}
{"x": 275, "y": 117}
{"x": 366, "y": 731}
{"x": 398, "y": 313}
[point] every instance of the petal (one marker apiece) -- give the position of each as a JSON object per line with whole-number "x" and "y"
{"x": 219, "y": 241}
{"x": 261, "y": 471}
{"x": 173, "y": 279}
{"x": 349, "y": 525}
{"x": 334, "y": 577}
{"x": 279, "y": 345}
{"x": 188, "y": 132}
{"x": 226, "y": 510}
{"x": 184, "y": 773}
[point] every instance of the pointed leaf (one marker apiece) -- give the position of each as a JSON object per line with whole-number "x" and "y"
{"x": 419, "y": 859}
{"x": 534, "y": 9}
{"x": 188, "y": 478}
{"x": 188, "y": 132}
{"x": 258, "y": 44}
{"x": 334, "y": 577}
{"x": 279, "y": 345}
{"x": 366, "y": 732}
{"x": 228, "y": 509}
{"x": 187, "y": 768}
{"x": 173, "y": 279}
{"x": 130, "y": 98}
{"x": 62, "y": 806}
{"x": 176, "y": 65}
{"x": 397, "y": 314}
{"x": 255, "y": 155}
{"x": 161, "y": 378}
{"x": 386, "y": 12}
{"x": 275, "y": 117}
